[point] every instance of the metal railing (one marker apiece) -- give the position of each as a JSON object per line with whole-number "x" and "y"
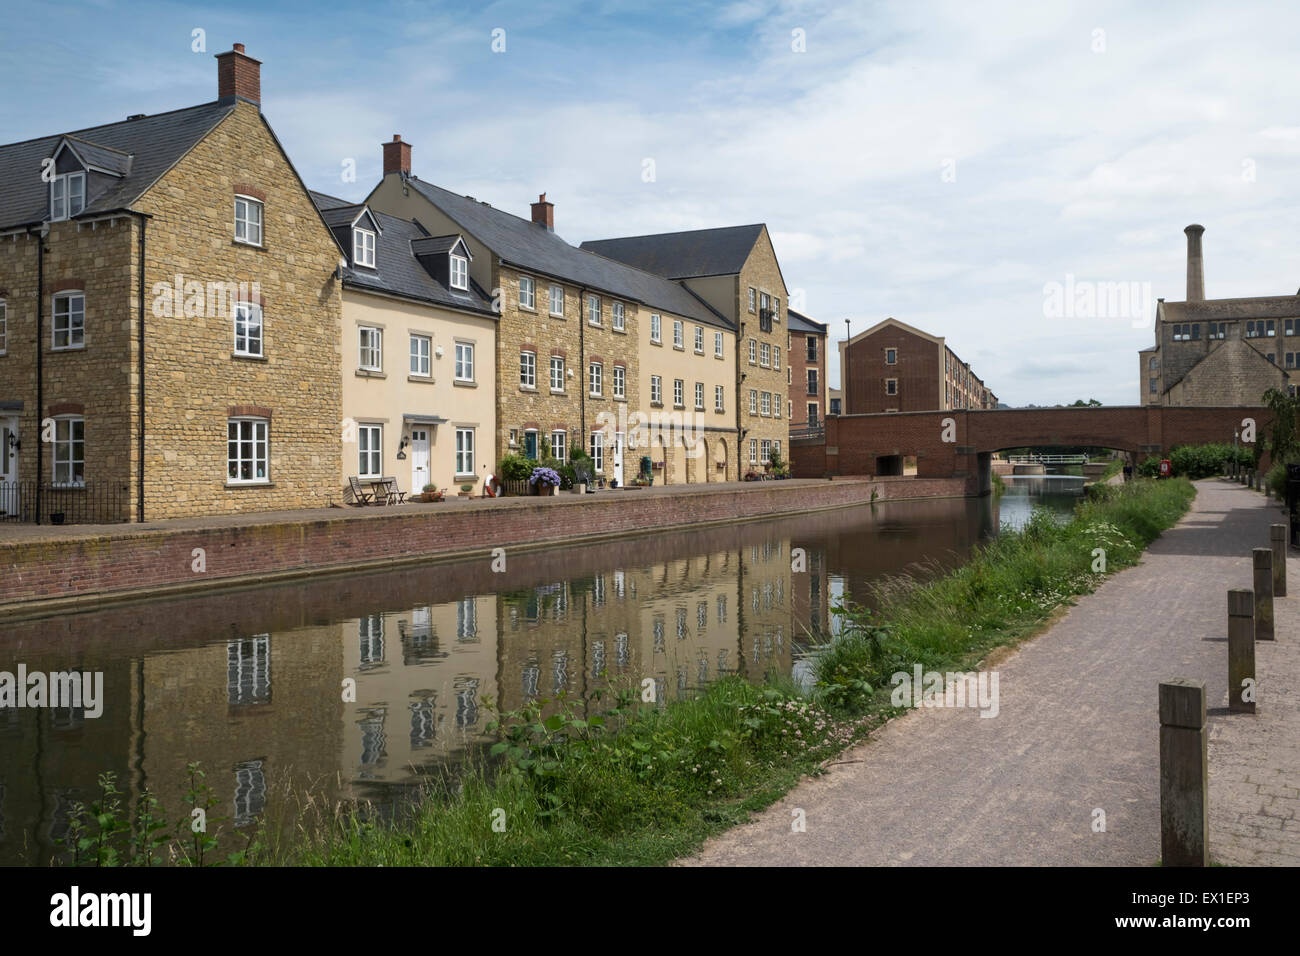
{"x": 92, "y": 502}
{"x": 1047, "y": 459}
{"x": 808, "y": 431}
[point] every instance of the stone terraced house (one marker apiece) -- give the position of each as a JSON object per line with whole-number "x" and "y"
{"x": 735, "y": 271}
{"x": 169, "y": 319}
{"x": 419, "y": 354}
{"x": 587, "y": 347}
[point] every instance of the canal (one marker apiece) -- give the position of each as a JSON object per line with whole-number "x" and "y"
{"x": 358, "y": 686}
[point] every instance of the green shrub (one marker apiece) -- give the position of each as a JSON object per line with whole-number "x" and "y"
{"x": 515, "y": 468}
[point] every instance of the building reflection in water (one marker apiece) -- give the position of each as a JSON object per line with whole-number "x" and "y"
{"x": 257, "y": 686}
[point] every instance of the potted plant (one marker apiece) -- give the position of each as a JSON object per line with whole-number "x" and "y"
{"x": 545, "y": 480}
{"x": 466, "y": 490}
{"x": 431, "y": 493}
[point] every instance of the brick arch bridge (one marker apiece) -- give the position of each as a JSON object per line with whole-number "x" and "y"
{"x": 875, "y": 444}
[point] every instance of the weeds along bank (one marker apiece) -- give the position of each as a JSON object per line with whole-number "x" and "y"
{"x": 618, "y": 779}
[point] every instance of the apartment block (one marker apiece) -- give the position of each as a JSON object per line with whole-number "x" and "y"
{"x": 806, "y": 371}
{"x": 894, "y": 367}
{"x": 169, "y": 319}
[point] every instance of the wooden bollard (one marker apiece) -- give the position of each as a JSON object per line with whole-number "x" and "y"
{"x": 1184, "y": 776}
{"x": 1241, "y": 650}
{"x": 1263, "y": 594}
{"x": 1277, "y": 541}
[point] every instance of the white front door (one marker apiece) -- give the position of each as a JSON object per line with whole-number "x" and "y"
{"x": 8, "y": 466}
{"x": 419, "y": 459}
{"x": 618, "y": 458}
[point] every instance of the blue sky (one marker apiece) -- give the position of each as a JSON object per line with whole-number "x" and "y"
{"x": 936, "y": 162}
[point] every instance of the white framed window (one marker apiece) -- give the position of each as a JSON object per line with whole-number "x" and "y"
{"x": 717, "y": 345}
{"x": 248, "y": 329}
{"x": 776, "y": 405}
{"x": 679, "y": 392}
{"x": 753, "y": 352}
{"x": 776, "y": 357}
{"x": 557, "y": 373}
{"x": 656, "y": 327}
{"x": 776, "y": 309}
{"x": 247, "y": 447}
{"x": 753, "y": 451}
{"x": 557, "y": 300}
{"x": 370, "y": 448}
{"x": 891, "y": 386}
{"x": 699, "y": 396}
{"x": 69, "y": 325}
{"x": 891, "y": 356}
{"x": 765, "y": 450}
{"x": 751, "y": 309}
{"x": 458, "y": 273}
{"x": 248, "y": 220}
{"x": 598, "y": 452}
{"x": 656, "y": 390}
{"x": 420, "y": 355}
{"x": 620, "y": 381}
{"x": 679, "y": 334}
{"x": 464, "y": 361}
{"x": 559, "y": 445}
{"x": 593, "y": 309}
{"x": 363, "y": 248}
{"x": 527, "y": 299}
{"x": 370, "y": 348}
{"x": 719, "y": 398}
{"x": 67, "y": 195}
{"x": 616, "y": 310}
{"x": 699, "y": 340}
{"x": 765, "y": 403}
{"x": 765, "y": 355}
{"x": 68, "y": 452}
{"x": 4, "y": 327}
{"x": 753, "y": 401}
{"x": 595, "y": 378}
{"x": 528, "y": 369}
{"x": 464, "y": 452}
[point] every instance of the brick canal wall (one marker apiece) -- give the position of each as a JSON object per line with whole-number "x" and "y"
{"x": 80, "y": 570}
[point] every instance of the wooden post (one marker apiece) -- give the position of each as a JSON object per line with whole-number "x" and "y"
{"x": 1241, "y": 650}
{"x": 1277, "y": 540}
{"x": 1263, "y": 594}
{"x": 1184, "y": 778}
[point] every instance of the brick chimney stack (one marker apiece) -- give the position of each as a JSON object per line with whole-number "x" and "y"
{"x": 544, "y": 213}
{"x": 239, "y": 76}
{"x": 1195, "y": 264}
{"x": 397, "y": 156}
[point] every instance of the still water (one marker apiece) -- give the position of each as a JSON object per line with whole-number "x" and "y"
{"x": 250, "y": 684}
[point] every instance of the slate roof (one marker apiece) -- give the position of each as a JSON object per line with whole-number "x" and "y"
{"x": 397, "y": 269}
{"x": 684, "y": 255}
{"x": 525, "y": 244}
{"x": 325, "y": 201}
{"x": 798, "y": 322}
{"x": 151, "y": 145}
{"x": 1213, "y": 310}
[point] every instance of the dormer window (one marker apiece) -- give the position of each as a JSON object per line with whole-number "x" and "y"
{"x": 459, "y": 272}
{"x": 363, "y": 248}
{"x": 67, "y": 195}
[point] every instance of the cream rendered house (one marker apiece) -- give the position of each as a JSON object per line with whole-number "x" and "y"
{"x": 419, "y": 347}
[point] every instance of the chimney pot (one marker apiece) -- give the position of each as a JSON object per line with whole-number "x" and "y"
{"x": 544, "y": 213}
{"x": 239, "y": 76}
{"x": 397, "y": 156}
{"x": 1195, "y": 264}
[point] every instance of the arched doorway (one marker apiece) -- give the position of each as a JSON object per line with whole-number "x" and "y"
{"x": 720, "y": 460}
{"x": 659, "y": 469}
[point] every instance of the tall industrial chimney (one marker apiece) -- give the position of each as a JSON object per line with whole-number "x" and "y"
{"x": 1195, "y": 264}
